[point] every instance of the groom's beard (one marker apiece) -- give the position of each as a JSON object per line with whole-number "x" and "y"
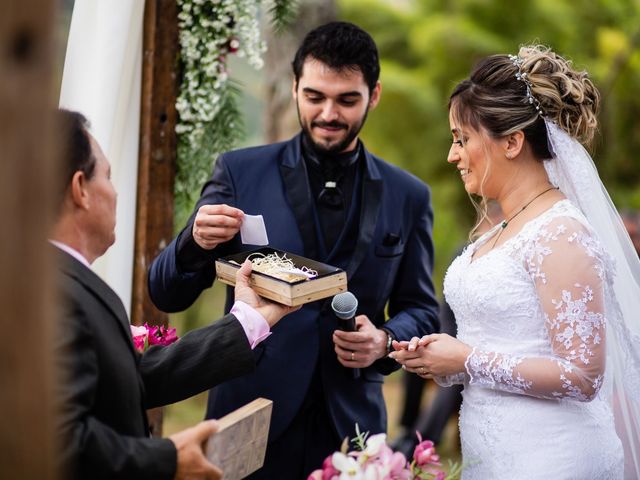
{"x": 331, "y": 148}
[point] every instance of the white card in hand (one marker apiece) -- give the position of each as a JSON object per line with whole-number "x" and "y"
{"x": 253, "y": 231}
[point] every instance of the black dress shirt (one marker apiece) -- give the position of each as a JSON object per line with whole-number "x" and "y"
{"x": 332, "y": 178}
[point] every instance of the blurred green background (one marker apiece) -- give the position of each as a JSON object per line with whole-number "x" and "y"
{"x": 426, "y": 47}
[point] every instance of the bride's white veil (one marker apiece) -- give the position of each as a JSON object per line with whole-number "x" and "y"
{"x": 574, "y": 172}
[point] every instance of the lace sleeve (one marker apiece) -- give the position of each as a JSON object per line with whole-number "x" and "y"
{"x": 565, "y": 263}
{"x": 450, "y": 380}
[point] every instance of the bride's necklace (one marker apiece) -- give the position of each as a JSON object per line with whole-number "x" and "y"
{"x": 506, "y": 222}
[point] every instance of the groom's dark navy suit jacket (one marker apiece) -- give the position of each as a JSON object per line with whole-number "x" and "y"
{"x": 386, "y": 249}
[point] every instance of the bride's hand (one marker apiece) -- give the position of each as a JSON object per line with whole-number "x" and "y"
{"x": 410, "y": 345}
{"x": 444, "y": 354}
{"x": 407, "y": 354}
{"x": 433, "y": 355}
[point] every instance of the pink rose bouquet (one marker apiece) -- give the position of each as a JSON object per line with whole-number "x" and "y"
{"x": 373, "y": 459}
{"x": 152, "y": 335}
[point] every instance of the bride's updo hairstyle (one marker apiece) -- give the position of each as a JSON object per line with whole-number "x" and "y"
{"x": 507, "y": 93}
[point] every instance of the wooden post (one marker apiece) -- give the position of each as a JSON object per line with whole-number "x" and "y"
{"x": 156, "y": 168}
{"x": 27, "y": 161}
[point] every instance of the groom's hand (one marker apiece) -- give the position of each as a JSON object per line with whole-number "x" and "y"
{"x": 361, "y": 348}
{"x": 216, "y": 224}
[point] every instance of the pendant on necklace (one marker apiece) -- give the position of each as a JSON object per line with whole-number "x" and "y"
{"x": 504, "y": 224}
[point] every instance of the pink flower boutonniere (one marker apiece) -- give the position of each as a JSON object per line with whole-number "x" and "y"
{"x": 161, "y": 335}
{"x": 139, "y": 335}
{"x": 152, "y": 335}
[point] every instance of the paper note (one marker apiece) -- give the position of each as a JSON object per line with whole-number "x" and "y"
{"x": 253, "y": 231}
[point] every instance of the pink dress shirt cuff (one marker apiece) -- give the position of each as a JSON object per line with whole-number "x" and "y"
{"x": 255, "y": 326}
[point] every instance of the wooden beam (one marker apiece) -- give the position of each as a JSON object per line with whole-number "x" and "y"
{"x": 156, "y": 168}
{"x": 27, "y": 157}
{"x": 157, "y": 160}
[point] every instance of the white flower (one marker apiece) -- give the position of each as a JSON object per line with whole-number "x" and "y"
{"x": 347, "y": 466}
{"x": 375, "y": 472}
{"x": 211, "y": 30}
{"x": 374, "y": 444}
{"x": 138, "y": 330}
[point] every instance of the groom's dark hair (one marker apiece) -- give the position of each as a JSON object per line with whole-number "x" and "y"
{"x": 340, "y": 46}
{"x": 75, "y": 149}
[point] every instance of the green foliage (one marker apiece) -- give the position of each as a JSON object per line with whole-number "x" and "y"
{"x": 360, "y": 440}
{"x": 221, "y": 134}
{"x": 208, "y": 104}
{"x": 282, "y": 13}
{"x": 427, "y": 46}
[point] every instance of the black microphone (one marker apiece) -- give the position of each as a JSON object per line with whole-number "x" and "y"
{"x": 344, "y": 306}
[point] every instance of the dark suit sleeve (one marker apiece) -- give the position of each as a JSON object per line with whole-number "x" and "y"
{"x": 199, "y": 360}
{"x": 88, "y": 445}
{"x": 413, "y": 305}
{"x": 183, "y": 270}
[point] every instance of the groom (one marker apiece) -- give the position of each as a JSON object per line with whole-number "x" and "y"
{"x": 323, "y": 195}
{"x": 107, "y": 385}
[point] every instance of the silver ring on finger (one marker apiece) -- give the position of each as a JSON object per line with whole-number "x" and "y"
{"x": 353, "y": 356}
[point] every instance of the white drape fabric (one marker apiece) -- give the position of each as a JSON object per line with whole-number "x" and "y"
{"x": 102, "y": 80}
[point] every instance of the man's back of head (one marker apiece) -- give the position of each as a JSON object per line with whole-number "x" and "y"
{"x": 86, "y": 198}
{"x": 75, "y": 152}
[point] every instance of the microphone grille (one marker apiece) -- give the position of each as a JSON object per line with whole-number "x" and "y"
{"x": 344, "y": 305}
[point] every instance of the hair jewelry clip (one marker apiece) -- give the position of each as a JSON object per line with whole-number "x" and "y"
{"x": 522, "y": 76}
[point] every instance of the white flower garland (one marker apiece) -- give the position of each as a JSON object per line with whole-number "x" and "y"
{"x": 210, "y": 30}
{"x": 210, "y": 121}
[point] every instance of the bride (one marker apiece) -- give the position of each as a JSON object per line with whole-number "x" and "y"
{"x": 548, "y": 343}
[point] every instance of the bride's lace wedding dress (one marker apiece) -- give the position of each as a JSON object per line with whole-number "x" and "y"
{"x": 532, "y": 309}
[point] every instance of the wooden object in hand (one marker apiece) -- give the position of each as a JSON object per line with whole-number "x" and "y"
{"x": 239, "y": 445}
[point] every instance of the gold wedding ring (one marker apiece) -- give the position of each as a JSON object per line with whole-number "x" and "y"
{"x": 422, "y": 371}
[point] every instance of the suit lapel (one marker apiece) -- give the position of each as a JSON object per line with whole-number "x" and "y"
{"x": 370, "y": 208}
{"x": 296, "y": 186}
{"x": 298, "y": 193}
{"x": 81, "y": 273}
